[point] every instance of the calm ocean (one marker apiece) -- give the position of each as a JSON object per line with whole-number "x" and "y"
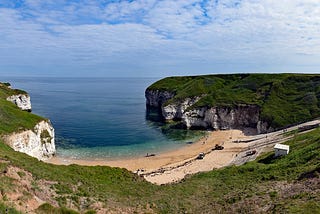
{"x": 99, "y": 117}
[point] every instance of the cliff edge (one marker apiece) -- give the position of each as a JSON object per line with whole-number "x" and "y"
{"x": 264, "y": 102}
{"x": 22, "y": 101}
{"x": 22, "y": 130}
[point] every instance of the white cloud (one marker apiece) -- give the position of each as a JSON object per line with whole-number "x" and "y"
{"x": 181, "y": 35}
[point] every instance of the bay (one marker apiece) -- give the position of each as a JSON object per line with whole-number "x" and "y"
{"x": 100, "y": 118}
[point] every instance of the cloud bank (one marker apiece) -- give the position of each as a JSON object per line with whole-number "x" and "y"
{"x": 158, "y": 38}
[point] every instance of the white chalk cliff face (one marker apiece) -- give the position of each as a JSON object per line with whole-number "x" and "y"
{"x": 221, "y": 118}
{"x": 177, "y": 110}
{"x": 217, "y": 118}
{"x": 22, "y": 101}
{"x": 38, "y": 143}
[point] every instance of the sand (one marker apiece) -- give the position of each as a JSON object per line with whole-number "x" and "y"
{"x": 175, "y": 165}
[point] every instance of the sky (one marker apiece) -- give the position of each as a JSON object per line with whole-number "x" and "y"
{"x": 148, "y": 38}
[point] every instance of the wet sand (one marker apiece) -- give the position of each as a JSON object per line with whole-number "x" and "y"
{"x": 173, "y": 166}
{"x": 175, "y": 158}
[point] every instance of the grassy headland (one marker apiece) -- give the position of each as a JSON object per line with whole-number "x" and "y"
{"x": 11, "y": 117}
{"x": 284, "y": 99}
{"x": 6, "y": 90}
{"x": 287, "y": 185}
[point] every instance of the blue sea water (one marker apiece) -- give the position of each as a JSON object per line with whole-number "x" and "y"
{"x": 99, "y": 118}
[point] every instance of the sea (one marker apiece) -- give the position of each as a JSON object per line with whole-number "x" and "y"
{"x": 100, "y": 118}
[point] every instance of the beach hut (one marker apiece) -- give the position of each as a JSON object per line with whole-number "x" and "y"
{"x": 281, "y": 149}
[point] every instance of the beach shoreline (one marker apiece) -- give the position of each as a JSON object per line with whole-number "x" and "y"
{"x": 177, "y": 157}
{"x": 173, "y": 166}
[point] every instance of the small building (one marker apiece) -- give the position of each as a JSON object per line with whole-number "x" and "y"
{"x": 281, "y": 149}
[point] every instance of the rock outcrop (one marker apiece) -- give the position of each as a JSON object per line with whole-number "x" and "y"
{"x": 38, "y": 143}
{"x": 221, "y": 118}
{"x": 176, "y": 110}
{"x": 216, "y": 117}
{"x": 22, "y": 101}
{"x": 156, "y": 98}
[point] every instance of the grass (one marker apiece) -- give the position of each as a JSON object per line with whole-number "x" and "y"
{"x": 284, "y": 99}
{"x": 6, "y": 91}
{"x": 45, "y": 137}
{"x": 230, "y": 189}
{"x": 7, "y": 209}
{"x": 285, "y": 185}
{"x": 98, "y": 182}
{"x": 47, "y": 208}
{"x": 13, "y": 119}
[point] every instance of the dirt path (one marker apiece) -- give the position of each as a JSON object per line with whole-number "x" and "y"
{"x": 234, "y": 153}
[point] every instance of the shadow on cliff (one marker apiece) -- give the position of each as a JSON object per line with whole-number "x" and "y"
{"x": 174, "y": 130}
{"x": 154, "y": 114}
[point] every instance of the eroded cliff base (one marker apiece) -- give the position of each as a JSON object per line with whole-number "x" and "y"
{"x": 265, "y": 102}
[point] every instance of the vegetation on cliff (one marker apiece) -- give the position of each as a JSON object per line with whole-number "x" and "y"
{"x": 6, "y": 90}
{"x": 11, "y": 117}
{"x": 284, "y": 99}
{"x": 289, "y": 184}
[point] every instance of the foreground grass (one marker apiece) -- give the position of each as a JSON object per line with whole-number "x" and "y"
{"x": 6, "y": 209}
{"x": 289, "y": 184}
{"x": 264, "y": 185}
{"x": 284, "y": 99}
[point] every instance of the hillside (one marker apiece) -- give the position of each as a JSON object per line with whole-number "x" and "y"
{"x": 11, "y": 117}
{"x": 6, "y": 90}
{"x": 290, "y": 184}
{"x": 280, "y": 99}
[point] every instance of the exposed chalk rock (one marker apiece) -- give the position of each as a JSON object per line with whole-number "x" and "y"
{"x": 220, "y": 118}
{"x": 176, "y": 110}
{"x": 216, "y": 117}
{"x": 22, "y": 101}
{"x": 38, "y": 143}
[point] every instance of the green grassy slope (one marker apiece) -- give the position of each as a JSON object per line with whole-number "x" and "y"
{"x": 284, "y": 98}
{"x": 287, "y": 184}
{"x": 11, "y": 117}
{"x": 6, "y": 91}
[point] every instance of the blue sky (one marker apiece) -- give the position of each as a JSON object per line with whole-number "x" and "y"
{"x": 148, "y": 38}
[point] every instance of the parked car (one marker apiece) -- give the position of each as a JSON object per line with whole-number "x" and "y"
{"x": 201, "y": 155}
{"x": 218, "y": 147}
{"x": 252, "y": 152}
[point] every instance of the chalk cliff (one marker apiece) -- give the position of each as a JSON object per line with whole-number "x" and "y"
{"x": 155, "y": 98}
{"x": 38, "y": 143}
{"x": 22, "y": 101}
{"x": 216, "y": 117}
{"x": 262, "y": 101}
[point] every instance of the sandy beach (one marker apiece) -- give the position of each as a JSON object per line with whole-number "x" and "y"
{"x": 173, "y": 166}
{"x": 180, "y": 161}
